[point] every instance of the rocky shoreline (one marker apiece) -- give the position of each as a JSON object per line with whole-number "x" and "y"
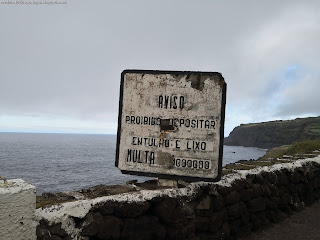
{"x": 49, "y": 199}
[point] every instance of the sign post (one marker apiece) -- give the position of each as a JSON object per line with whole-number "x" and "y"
{"x": 171, "y": 124}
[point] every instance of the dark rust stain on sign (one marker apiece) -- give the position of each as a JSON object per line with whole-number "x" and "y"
{"x": 165, "y": 125}
{"x": 197, "y": 81}
{"x": 165, "y": 159}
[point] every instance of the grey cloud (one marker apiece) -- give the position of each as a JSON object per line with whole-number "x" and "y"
{"x": 67, "y": 60}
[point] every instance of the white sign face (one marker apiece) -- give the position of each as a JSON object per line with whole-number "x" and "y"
{"x": 171, "y": 124}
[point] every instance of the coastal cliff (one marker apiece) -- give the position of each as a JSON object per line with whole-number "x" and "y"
{"x": 275, "y": 133}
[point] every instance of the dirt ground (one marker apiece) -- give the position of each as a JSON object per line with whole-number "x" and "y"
{"x": 304, "y": 225}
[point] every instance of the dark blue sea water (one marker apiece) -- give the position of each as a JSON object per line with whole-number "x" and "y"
{"x": 66, "y": 162}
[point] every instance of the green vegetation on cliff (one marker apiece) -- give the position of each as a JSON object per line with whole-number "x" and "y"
{"x": 276, "y": 133}
{"x": 282, "y": 154}
{"x": 296, "y": 148}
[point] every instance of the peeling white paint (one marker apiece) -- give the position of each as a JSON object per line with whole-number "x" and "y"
{"x": 17, "y": 207}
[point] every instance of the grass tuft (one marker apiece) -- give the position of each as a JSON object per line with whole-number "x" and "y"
{"x": 304, "y": 147}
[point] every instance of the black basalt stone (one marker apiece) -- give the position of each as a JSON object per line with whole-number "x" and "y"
{"x": 223, "y": 190}
{"x": 202, "y": 223}
{"x": 246, "y": 194}
{"x": 272, "y": 203}
{"x": 109, "y": 228}
{"x": 131, "y": 209}
{"x": 238, "y": 185}
{"x": 266, "y": 190}
{"x": 236, "y": 210}
{"x": 225, "y": 231}
{"x": 285, "y": 199}
{"x": 232, "y": 197}
{"x": 91, "y": 223}
{"x": 56, "y": 229}
{"x": 181, "y": 232}
{"x": 272, "y": 177}
{"x": 169, "y": 211}
{"x": 310, "y": 174}
{"x": 275, "y": 190}
{"x": 297, "y": 177}
{"x": 188, "y": 210}
{"x": 217, "y": 220}
{"x": 316, "y": 182}
{"x": 282, "y": 179}
{"x": 259, "y": 178}
{"x": 257, "y": 190}
{"x": 143, "y": 228}
{"x": 42, "y": 233}
{"x": 256, "y": 222}
{"x": 256, "y": 205}
{"x": 292, "y": 188}
{"x": 106, "y": 208}
{"x": 218, "y": 202}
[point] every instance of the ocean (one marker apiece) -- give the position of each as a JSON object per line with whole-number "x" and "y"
{"x": 67, "y": 162}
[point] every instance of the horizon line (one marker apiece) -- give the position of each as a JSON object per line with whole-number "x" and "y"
{"x": 44, "y": 132}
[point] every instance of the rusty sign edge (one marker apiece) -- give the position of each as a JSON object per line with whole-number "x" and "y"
{"x": 170, "y": 176}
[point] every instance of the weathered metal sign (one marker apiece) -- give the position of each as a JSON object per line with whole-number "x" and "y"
{"x": 171, "y": 124}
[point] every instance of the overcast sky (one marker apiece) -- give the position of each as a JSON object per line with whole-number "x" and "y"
{"x": 60, "y": 64}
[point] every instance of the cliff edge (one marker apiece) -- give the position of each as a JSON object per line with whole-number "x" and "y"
{"x": 275, "y": 133}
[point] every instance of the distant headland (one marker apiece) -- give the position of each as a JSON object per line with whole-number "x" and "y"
{"x": 275, "y": 133}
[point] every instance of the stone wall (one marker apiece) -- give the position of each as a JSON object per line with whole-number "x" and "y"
{"x": 17, "y": 207}
{"x": 237, "y": 205}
